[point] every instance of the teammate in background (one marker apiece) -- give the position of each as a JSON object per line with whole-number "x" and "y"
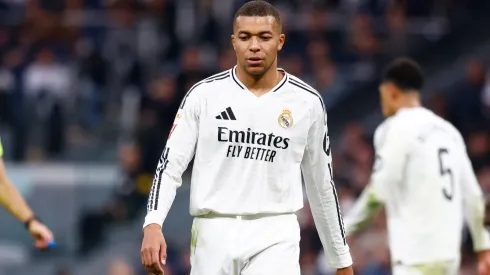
{"x": 253, "y": 129}
{"x": 424, "y": 178}
{"x": 12, "y": 200}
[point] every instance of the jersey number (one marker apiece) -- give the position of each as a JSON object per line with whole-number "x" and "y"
{"x": 448, "y": 194}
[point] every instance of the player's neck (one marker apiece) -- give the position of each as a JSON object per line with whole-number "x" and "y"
{"x": 260, "y": 85}
{"x": 409, "y": 101}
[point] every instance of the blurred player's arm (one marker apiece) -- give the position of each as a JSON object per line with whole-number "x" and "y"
{"x": 178, "y": 152}
{"x": 474, "y": 212}
{"x": 474, "y": 207}
{"x": 364, "y": 210}
{"x": 317, "y": 173}
{"x": 391, "y": 149}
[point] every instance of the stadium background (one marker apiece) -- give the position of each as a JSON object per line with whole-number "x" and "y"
{"x": 89, "y": 89}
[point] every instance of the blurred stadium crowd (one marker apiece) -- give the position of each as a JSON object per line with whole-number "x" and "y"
{"x": 101, "y": 81}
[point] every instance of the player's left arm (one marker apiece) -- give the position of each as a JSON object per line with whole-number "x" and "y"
{"x": 474, "y": 206}
{"x": 474, "y": 212}
{"x": 317, "y": 173}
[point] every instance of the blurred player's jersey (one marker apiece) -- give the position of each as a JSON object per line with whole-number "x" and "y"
{"x": 1, "y": 148}
{"x": 424, "y": 177}
{"x": 250, "y": 153}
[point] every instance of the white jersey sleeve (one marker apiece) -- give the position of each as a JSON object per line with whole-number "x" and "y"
{"x": 178, "y": 152}
{"x": 392, "y": 146}
{"x": 474, "y": 206}
{"x": 317, "y": 173}
{"x": 391, "y": 150}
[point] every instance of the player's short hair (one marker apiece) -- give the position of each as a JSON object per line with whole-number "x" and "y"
{"x": 404, "y": 73}
{"x": 258, "y": 8}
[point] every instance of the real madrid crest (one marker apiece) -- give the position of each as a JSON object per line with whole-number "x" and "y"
{"x": 285, "y": 119}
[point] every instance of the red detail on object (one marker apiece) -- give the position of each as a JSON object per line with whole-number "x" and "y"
{"x": 171, "y": 131}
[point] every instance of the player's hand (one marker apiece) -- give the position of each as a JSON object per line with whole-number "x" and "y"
{"x": 345, "y": 271}
{"x": 484, "y": 262}
{"x": 153, "y": 250}
{"x": 41, "y": 234}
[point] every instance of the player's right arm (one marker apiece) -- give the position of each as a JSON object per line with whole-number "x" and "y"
{"x": 175, "y": 158}
{"x": 178, "y": 152}
{"x": 364, "y": 210}
{"x": 12, "y": 200}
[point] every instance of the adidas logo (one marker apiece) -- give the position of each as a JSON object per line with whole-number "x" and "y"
{"x": 226, "y": 115}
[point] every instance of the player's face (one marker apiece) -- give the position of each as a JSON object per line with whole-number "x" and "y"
{"x": 256, "y": 40}
{"x": 388, "y": 94}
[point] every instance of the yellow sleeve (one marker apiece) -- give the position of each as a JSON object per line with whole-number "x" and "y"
{"x": 1, "y": 149}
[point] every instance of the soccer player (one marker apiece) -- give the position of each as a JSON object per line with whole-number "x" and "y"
{"x": 254, "y": 130}
{"x": 424, "y": 178}
{"x": 12, "y": 200}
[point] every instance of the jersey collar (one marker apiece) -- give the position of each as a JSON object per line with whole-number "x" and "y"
{"x": 275, "y": 89}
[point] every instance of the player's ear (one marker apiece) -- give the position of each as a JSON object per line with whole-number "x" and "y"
{"x": 233, "y": 41}
{"x": 394, "y": 92}
{"x": 282, "y": 39}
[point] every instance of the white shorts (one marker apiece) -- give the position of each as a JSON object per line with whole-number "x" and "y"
{"x": 435, "y": 268}
{"x": 245, "y": 245}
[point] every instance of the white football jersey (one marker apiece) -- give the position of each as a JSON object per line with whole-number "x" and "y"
{"x": 424, "y": 178}
{"x": 250, "y": 153}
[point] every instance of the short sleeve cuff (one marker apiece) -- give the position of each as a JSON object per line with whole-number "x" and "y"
{"x": 483, "y": 243}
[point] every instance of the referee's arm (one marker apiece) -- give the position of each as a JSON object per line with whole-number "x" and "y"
{"x": 10, "y": 198}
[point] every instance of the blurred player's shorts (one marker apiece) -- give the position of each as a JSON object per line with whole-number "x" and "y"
{"x": 435, "y": 268}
